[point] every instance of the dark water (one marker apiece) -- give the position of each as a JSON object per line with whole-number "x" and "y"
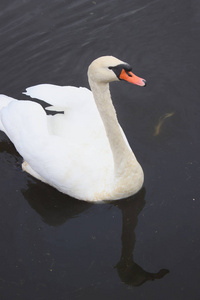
{"x": 55, "y": 247}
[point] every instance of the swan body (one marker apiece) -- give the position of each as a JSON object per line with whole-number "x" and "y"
{"x": 83, "y": 151}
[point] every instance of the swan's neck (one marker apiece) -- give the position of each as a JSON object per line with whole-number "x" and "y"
{"x": 122, "y": 154}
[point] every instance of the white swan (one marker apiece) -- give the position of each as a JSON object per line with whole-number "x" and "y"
{"x": 83, "y": 152}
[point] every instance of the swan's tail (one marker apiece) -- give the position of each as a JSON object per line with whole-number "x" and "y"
{"x": 4, "y": 101}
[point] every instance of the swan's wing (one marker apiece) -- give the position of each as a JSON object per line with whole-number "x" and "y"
{"x": 25, "y": 122}
{"x": 81, "y": 120}
{"x": 4, "y": 101}
{"x": 61, "y": 97}
{"x": 60, "y": 162}
{"x": 26, "y": 125}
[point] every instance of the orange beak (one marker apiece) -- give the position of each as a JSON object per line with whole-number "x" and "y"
{"x": 132, "y": 78}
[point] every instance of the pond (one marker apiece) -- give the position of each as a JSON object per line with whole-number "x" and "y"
{"x": 144, "y": 247}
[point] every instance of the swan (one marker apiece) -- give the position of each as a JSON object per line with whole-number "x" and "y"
{"x": 82, "y": 152}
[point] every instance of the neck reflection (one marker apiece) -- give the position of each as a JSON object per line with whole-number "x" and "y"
{"x": 129, "y": 271}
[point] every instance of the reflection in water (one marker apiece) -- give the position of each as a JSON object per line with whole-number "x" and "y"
{"x": 161, "y": 121}
{"x": 7, "y": 146}
{"x": 129, "y": 272}
{"x": 56, "y": 208}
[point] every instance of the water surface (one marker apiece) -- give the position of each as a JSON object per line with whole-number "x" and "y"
{"x": 55, "y": 247}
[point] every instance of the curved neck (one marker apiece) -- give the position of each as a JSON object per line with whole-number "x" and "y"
{"x": 121, "y": 151}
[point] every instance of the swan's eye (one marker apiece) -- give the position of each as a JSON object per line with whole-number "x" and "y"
{"x": 118, "y": 69}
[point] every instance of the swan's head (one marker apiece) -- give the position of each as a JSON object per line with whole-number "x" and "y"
{"x": 108, "y": 68}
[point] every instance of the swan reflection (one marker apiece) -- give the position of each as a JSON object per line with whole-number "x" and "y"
{"x": 130, "y": 272}
{"x": 54, "y": 212}
{"x": 55, "y": 208}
